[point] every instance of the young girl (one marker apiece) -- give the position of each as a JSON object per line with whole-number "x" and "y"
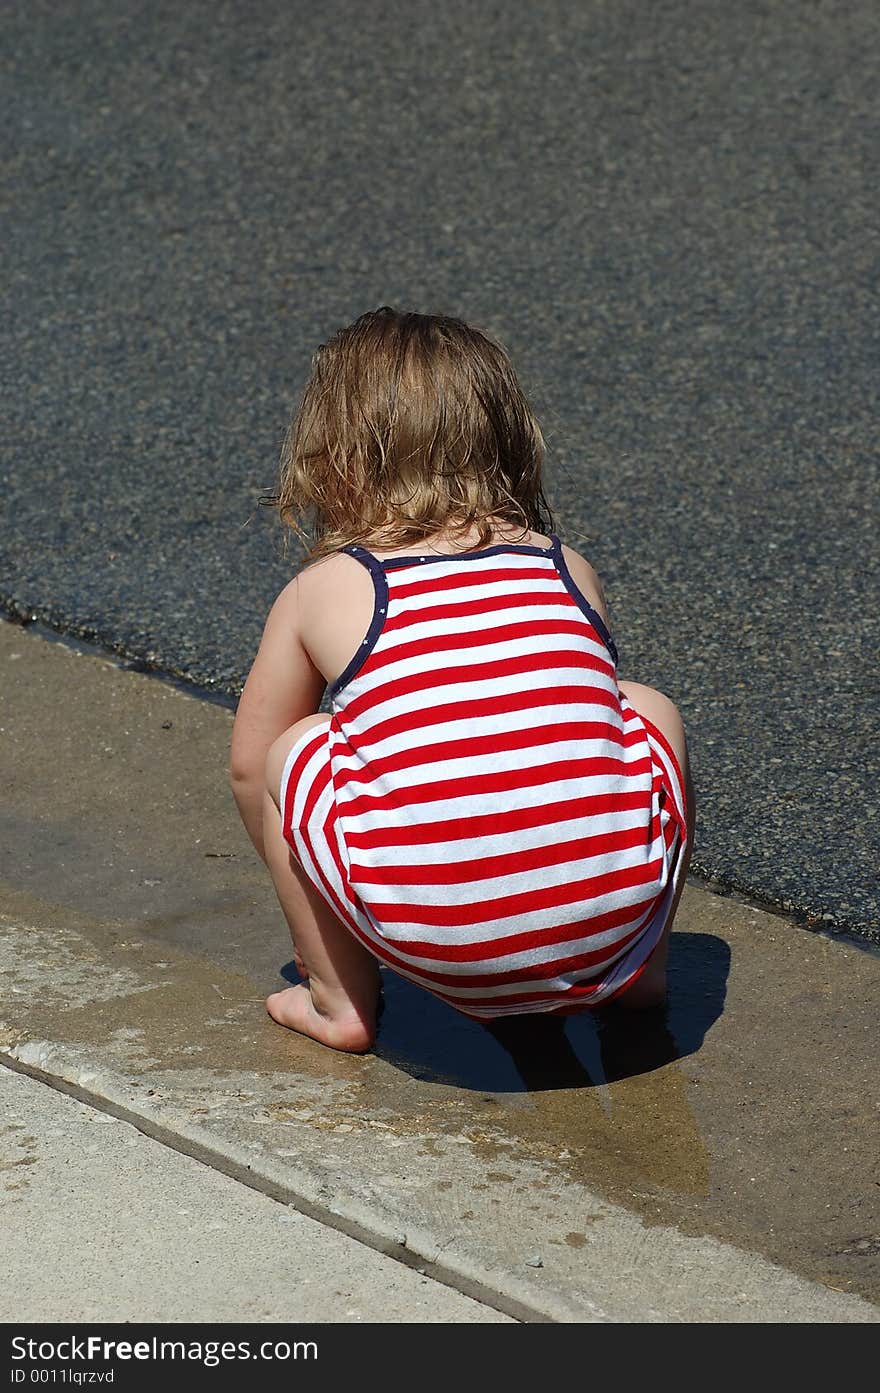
{"x": 487, "y": 809}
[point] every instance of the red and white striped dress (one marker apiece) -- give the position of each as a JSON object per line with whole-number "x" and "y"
{"x": 486, "y": 811}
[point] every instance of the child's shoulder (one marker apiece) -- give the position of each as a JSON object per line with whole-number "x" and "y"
{"x": 327, "y": 581}
{"x": 327, "y": 570}
{"x": 574, "y": 558}
{"x": 314, "y": 578}
{"x": 586, "y": 578}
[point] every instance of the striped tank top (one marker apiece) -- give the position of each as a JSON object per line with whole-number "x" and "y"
{"x": 485, "y": 810}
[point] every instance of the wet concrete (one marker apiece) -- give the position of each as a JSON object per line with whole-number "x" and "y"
{"x": 141, "y": 935}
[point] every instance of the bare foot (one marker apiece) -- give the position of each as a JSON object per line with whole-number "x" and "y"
{"x": 295, "y": 1009}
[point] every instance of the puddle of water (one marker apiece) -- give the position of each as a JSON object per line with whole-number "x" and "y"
{"x": 598, "y": 1094}
{"x": 427, "y": 1039}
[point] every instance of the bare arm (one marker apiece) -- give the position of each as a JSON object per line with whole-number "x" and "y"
{"x": 283, "y": 686}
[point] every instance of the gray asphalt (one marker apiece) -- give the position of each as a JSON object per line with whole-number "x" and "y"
{"x": 667, "y": 214}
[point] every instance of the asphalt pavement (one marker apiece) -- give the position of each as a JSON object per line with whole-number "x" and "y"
{"x": 667, "y": 214}
{"x": 664, "y": 212}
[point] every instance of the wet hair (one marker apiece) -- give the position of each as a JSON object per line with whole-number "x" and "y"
{"x": 410, "y": 424}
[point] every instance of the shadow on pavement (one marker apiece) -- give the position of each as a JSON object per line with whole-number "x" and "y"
{"x": 428, "y": 1040}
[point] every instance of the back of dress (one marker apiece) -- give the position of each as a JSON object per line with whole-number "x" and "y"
{"x": 501, "y": 825}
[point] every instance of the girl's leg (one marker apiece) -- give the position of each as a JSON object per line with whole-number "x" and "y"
{"x": 650, "y": 988}
{"x": 337, "y": 1004}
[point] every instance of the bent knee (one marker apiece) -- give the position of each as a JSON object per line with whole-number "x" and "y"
{"x": 277, "y": 754}
{"x": 657, "y": 707}
{"x": 651, "y": 702}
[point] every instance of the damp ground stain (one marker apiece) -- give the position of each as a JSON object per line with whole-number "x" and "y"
{"x": 747, "y": 1110}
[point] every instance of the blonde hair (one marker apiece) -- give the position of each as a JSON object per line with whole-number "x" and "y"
{"x": 410, "y": 424}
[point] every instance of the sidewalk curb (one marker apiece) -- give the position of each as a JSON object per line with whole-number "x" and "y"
{"x": 299, "y": 1188}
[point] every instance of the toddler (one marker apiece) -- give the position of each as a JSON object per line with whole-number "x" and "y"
{"x": 487, "y": 809}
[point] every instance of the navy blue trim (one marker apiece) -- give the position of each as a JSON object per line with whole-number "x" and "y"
{"x": 582, "y": 602}
{"x": 526, "y": 548}
{"x": 380, "y": 610}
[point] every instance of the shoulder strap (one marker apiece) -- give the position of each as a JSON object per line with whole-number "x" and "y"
{"x": 581, "y": 600}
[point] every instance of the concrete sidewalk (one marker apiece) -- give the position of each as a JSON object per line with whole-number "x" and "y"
{"x": 101, "y": 1222}
{"x": 718, "y": 1165}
